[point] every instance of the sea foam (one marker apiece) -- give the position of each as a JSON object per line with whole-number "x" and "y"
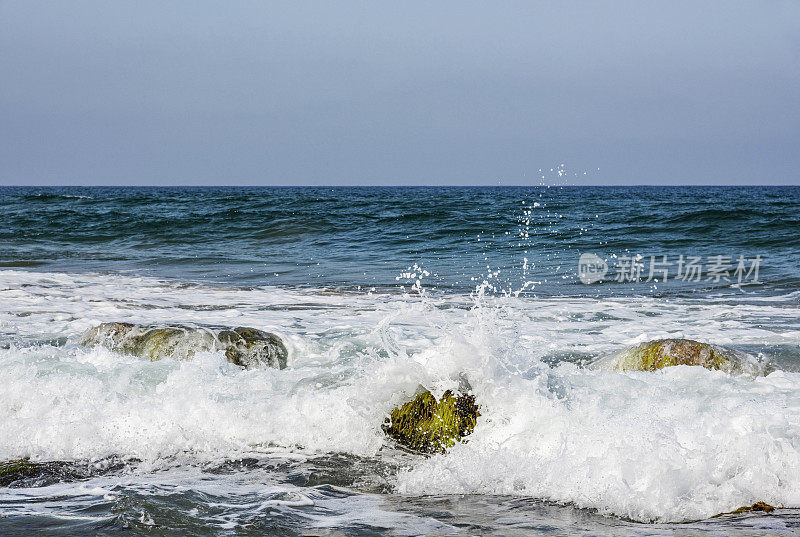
{"x": 679, "y": 444}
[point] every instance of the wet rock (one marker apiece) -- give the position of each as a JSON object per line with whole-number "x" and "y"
{"x": 658, "y": 354}
{"x": 23, "y": 472}
{"x": 11, "y": 471}
{"x": 428, "y": 425}
{"x": 246, "y": 347}
{"x": 26, "y": 473}
{"x": 249, "y": 347}
{"x": 758, "y": 507}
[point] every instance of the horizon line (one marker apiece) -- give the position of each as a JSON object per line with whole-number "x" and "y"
{"x": 638, "y": 185}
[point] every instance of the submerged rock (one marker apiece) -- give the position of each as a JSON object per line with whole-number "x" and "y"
{"x": 662, "y": 353}
{"x": 247, "y": 347}
{"x": 428, "y": 425}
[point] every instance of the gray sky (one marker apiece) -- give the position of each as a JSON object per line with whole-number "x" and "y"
{"x": 402, "y": 93}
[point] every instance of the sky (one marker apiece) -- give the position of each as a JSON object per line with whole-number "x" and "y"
{"x": 402, "y": 93}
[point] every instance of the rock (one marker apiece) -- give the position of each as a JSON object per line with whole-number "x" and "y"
{"x": 247, "y": 347}
{"x": 430, "y": 426}
{"x": 26, "y": 473}
{"x": 758, "y": 507}
{"x": 23, "y": 472}
{"x": 250, "y": 347}
{"x": 662, "y": 353}
{"x": 11, "y": 471}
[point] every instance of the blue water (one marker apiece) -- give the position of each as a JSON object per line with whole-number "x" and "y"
{"x": 376, "y": 292}
{"x": 366, "y": 237}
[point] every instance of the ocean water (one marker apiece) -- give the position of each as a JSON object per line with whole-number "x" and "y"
{"x": 377, "y": 291}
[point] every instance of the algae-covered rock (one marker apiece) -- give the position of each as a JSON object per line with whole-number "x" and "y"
{"x": 758, "y": 507}
{"x": 11, "y": 471}
{"x": 23, "y": 472}
{"x": 26, "y": 473}
{"x": 247, "y": 347}
{"x": 429, "y": 425}
{"x": 658, "y": 354}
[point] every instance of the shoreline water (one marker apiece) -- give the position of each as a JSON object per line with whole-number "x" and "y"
{"x": 204, "y": 447}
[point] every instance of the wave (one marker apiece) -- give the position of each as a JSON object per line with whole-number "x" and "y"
{"x": 51, "y": 196}
{"x": 676, "y": 445}
{"x": 705, "y": 215}
{"x": 359, "y": 237}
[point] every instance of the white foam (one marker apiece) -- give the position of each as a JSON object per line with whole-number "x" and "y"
{"x": 680, "y": 444}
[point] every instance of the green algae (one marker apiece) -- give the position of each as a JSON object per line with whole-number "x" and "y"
{"x": 428, "y": 425}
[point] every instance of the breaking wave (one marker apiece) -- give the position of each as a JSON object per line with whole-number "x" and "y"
{"x": 680, "y": 444}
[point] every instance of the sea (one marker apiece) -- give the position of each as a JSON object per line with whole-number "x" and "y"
{"x": 378, "y": 292}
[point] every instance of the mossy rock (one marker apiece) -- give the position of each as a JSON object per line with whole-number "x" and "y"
{"x": 661, "y": 353}
{"x": 23, "y": 472}
{"x": 755, "y": 508}
{"x": 11, "y": 471}
{"x": 26, "y": 473}
{"x": 246, "y": 347}
{"x": 428, "y": 425}
{"x": 249, "y": 347}
{"x": 758, "y": 507}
